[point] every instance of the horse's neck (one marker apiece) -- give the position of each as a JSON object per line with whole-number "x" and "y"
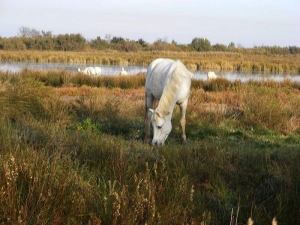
{"x": 166, "y": 103}
{"x": 170, "y": 94}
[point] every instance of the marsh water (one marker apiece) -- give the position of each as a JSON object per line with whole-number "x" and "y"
{"x": 114, "y": 70}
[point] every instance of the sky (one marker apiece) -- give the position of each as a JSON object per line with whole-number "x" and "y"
{"x": 246, "y": 23}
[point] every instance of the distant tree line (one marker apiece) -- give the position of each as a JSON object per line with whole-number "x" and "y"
{"x": 32, "y": 39}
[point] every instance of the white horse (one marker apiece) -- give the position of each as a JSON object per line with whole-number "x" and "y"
{"x": 211, "y": 76}
{"x": 88, "y": 71}
{"x": 123, "y": 72}
{"x": 169, "y": 82}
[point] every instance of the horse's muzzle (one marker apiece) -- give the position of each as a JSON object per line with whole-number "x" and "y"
{"x": 157, "y": 143}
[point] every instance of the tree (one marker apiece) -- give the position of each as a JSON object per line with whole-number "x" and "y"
{"x": 142, "y": 42}
{"x": 28, "y": 32}
{"x": 99, "y": 43}
{"x": 24, "y": 32}
{"x": 174, "y": 42}
{"x": 47, "y": 34}
{"x": 219, "y": 47}
{"x": 35, "y": 33}
{"x": 160, "y": 44}
{"x": 294, "y": 50}
{"x": 70, "y": 42}
{"x": 108, "y": 37}
{"x": 116, "y": 40}
{"x": 201, "y": 44}
{"x": 231, "y": 45}
{"x": 12, "y": 44}
{"x": 128, "y": 45}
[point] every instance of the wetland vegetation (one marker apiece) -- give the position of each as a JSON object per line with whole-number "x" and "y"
{"x": 72, "y": 148}
{"x": 32, "y": 45}
{"x": 72, "y": 152}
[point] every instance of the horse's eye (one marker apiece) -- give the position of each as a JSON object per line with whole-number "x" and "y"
{"x": 159, "y": 127}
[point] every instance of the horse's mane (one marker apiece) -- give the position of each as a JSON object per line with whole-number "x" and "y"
{"x": 172, "y": 88}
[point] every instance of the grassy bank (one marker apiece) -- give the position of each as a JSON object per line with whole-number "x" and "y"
{"x": 72, "y": 152}
{"x": 193, "y": 60}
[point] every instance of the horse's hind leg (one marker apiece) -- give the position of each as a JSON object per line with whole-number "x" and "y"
{"x": 183, "y": 107}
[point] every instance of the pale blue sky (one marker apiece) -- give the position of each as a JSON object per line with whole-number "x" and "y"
{"x": 244, "y": 22}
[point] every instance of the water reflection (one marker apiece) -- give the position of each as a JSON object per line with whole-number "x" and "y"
{"x": 246, "y": 76}
{"x": 72, "y": 67}
{"x": 114, "y": 70}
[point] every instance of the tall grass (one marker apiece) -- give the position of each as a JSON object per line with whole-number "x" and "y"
{"x": 194, "y": 60}
{"x": 72, "y": 152}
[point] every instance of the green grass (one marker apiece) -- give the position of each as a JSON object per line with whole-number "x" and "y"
{"x": 72, "y": 152}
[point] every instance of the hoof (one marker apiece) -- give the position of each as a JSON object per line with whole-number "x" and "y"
{"x": 184, "y": 142}
{"x": 147, "y": 141}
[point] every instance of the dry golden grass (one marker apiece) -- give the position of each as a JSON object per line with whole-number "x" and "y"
{"x": 193, "y": 60}
{"x": 74, "y": 154}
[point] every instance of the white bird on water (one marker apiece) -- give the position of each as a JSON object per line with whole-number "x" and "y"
{"x": 123, "y": 72}
{"x": 91, "y": 71}
{"x": 98, "y": 70}
{"x": 88, "y": 71}
{"x": 211, "y": 75}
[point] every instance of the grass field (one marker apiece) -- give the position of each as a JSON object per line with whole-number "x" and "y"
{"x": 72, "y": 152}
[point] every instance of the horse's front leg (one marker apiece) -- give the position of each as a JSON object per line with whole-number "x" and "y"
{"x": 148, "y": 114}
{"x": 183, "y": 107}
{"x": 148, "y": 127}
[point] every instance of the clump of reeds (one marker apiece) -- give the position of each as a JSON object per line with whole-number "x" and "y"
{"x": 194, "y": 60}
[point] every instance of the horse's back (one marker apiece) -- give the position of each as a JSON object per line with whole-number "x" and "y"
{"x": 156, "y": 77}
{"x": 160, "y": 62}
{"x": 159, "y": 72}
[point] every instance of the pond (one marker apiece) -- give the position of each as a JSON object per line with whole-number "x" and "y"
{"x": 114, "y": 70}
{"x": 72, "y": 67}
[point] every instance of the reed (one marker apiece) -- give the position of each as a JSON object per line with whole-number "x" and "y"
{"x": 193, "y": 60}
{"x": 73, "y": 153}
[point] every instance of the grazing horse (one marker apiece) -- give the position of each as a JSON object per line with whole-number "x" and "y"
{"x": 88, "y": 71}
{"x": 123, "y": 72}
{"x": 211, "y": 76}
{"x": 169, "y": 82}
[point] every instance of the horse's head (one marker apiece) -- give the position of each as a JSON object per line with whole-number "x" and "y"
{"x": 162, "y": 126}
